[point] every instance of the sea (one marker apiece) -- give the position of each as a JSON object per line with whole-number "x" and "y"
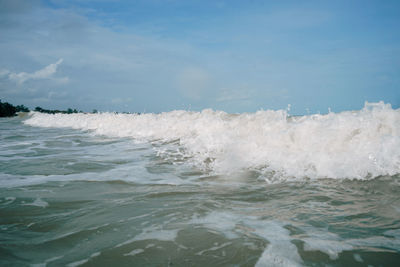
{"x": 201, "y": 188}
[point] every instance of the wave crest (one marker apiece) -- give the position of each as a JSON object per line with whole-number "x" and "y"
{"x": 352, "y": 144}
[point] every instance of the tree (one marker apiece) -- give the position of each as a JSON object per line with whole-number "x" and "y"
{"x": 7, "y": 110}
{"x": 22, "y": 108}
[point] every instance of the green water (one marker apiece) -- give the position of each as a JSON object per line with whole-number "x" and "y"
{"x": 68, "y": 198}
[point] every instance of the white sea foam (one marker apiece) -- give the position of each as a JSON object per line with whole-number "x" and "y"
{"x": 9, "y": 200}
{"x": 134, "y": 252}
{"x": 352, "y": 144}
{"x": 163, "y": 235}
{"x": 358, "y": 258}
{"x": 216, "y": 247}
{"x": 152, "y": 233}
{"x": 332, "y": 244}
{"x": 38, "y": 203}
{"x": 280, "y": 251}
{"x": 326, "y": 242}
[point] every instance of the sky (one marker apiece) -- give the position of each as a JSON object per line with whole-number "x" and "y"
{"x": 235, "y": 56}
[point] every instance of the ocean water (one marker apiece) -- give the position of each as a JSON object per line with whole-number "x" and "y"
{"x": 206, "y": 188}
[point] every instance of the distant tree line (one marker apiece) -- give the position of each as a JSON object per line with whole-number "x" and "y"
{"x": 54, "y": 111}
{"x": 8, "y": 110}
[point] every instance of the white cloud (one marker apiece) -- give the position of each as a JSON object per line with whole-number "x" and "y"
{"x": 45, "y": 73}
{"x": 4, "y": 72}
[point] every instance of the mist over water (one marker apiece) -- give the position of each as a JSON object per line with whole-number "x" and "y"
{"x": 201, "y": 189}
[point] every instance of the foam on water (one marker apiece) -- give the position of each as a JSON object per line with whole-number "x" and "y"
{"x": 216, "y": 247}
{"x": 38, "y": 203}
{"x": 163, "y": 235}
{"x": 7, "y": 200}
{"x": 279, "y": 252}
{"x": 333, "y": 245}
{"x": 353, "y": 144}
{"x": 324, "y": 241}
{"x": 152, "y": 233}
{"x": 134, "y": 252}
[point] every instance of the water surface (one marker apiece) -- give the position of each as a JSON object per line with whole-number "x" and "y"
{"x": 201, "y": 189}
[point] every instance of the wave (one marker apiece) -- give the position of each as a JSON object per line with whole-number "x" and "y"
{"x": 352, "y": 144}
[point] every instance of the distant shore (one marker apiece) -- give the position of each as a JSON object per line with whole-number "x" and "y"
{"x": 9, "y": 110}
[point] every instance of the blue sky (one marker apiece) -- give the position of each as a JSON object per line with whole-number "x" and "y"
{"x": 236, "y": 56}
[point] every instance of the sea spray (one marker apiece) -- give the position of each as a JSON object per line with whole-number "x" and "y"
{"x": 128, "y": 189}
{"x": 352, "y": 144}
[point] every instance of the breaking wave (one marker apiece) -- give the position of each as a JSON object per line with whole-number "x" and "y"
{"x": 353, "y": 144}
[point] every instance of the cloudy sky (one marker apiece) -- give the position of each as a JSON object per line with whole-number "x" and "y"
{"x": 236, "y": 56}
